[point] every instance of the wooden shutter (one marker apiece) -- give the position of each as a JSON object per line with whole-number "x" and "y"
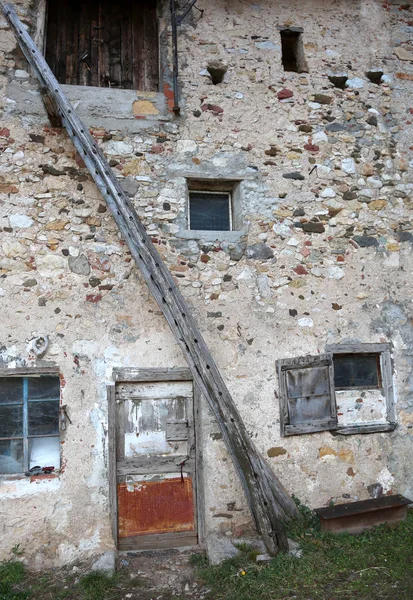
{"x": 103, "y": 43}
{"x": 307, "y": 398}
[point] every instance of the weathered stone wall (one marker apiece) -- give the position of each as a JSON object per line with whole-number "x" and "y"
{"x": 323, "y": 254}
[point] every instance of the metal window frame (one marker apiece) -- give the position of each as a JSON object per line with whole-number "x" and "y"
{"x": 24, "y": 403}
{"x": 210, "y": 193}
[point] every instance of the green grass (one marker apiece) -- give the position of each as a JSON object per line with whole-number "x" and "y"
{"x": 96, "y": 585}
{"x": 11, "y": 574}
{"x": 18, "y": 584}
{"x": 376, "y": 565}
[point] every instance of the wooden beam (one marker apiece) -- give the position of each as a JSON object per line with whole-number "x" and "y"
{"x": 266, "y": 496}
{"x": 51, "y": 108}
{"x": 113, "y": 499}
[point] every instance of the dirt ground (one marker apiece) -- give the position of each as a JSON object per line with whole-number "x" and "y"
{"x": 162, "y": 574}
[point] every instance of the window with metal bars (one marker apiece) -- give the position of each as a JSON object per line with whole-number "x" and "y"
{"x": 29, "y": 423}
{"x": 103, "y": 43}
{"x": 210, "y": 211}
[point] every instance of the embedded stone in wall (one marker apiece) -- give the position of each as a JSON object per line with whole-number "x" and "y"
{"x": 144, "y": 107}
{"x": 259, "y": 252}
{"x": 20, "y": 221}
{"x": 50, "y": 265}
{"x": 79, "y": 264}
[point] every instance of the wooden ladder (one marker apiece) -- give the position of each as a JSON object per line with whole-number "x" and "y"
{"x": 268, "y": 500}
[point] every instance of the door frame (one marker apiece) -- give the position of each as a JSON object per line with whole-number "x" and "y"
{"x": 138, "y": 375}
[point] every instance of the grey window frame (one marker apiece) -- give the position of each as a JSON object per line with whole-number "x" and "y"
{"x": 232, "y": 185}
{"x": 25, "y": 375}
{"x": 386, "y": 372}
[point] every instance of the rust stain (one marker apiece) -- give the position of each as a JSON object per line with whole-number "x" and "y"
{"x": 155, "y": 507}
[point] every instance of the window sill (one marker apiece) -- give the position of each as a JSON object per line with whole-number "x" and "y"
{"x": 111, "y": 108}
{"x": 365, "y": 428}
{"x": 211, "y": 236}
{"x": 32, "y": 479}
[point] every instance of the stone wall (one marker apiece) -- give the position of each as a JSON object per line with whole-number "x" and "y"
{"x": 323, "y": 253}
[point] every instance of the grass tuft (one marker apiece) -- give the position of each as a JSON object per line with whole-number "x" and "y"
{"x": 96, "y": 585}
{"x": 198, "y": 560}
{"x": 12, "y": 573}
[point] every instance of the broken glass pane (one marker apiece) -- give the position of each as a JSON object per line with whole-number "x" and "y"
{"x": 11, "y": 389}
{"x": 11, "y": 457}
{"x": 44, "y": 387}
{"x": 11, "y": 421}
{"x": 209, "y": 212}
{"x": 44, "y": 452}
{"x": 44, "y": 417}
{"x": 356, "y": 371}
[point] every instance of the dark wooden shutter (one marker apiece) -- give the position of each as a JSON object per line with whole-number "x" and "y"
{"x": 103, "y": 43}
{"x": 307, "y": 398}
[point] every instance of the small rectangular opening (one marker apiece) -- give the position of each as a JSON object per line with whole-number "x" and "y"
{"x": 292, "y": 51}
{"x": 210, "y": 211}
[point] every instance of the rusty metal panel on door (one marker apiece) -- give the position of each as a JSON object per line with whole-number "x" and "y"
{"x": 160, "y": 505}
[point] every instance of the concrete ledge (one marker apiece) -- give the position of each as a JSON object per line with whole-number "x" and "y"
{"x": 211, "y": 236}
{"x": 127, "y": 110}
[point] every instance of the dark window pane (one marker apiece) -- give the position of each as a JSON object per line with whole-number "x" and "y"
{"x": 44, "y": 387}
{"x": 44, "y": 452}
{"x": 356, "y": 371}
{"x": 11, "y": 421}
{"x": 11, "y": 389}
{"x": 209, "y": 212}
{"x": 11, "y": 457}
{"x": 43, "y": 418}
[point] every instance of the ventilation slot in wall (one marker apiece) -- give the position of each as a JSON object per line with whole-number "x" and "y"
{"x": 292, "y": 50}
{"x": 217, "y": 71}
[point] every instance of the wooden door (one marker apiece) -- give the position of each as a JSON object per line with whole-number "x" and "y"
{"x": 155, "y": 464}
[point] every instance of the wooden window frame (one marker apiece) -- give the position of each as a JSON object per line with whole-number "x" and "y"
{"x": 25, "y": 374}
{"x": 386, "y": 373}
{"x": 286, "y": 364}
{"x": 383, "y": 350}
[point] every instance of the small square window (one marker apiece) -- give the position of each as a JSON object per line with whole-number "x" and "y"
{"x": 29, "y": 423}
{"x": 210, "y": 211}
